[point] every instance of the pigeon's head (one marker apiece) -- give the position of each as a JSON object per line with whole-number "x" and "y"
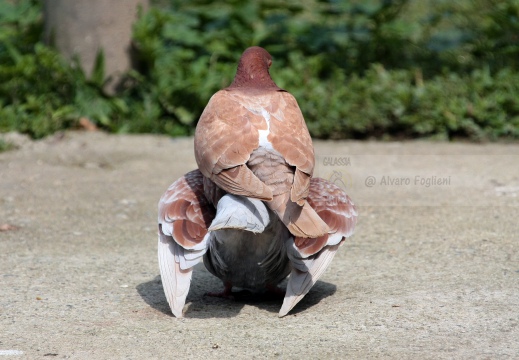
{"x": 256, "y": 56}
{"x": 253, "y": 71}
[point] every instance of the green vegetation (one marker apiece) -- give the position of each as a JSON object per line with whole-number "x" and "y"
{"x": 5, "y": 145}
{"x": 359, "y": 69}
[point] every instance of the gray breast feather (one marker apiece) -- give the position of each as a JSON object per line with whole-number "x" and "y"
{"x": 238, "y": 212}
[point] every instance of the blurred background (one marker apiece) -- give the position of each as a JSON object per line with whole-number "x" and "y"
{"x": 367, "y": 69}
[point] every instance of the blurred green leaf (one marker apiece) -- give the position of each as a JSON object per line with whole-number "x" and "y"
{"x": 98, "y": 71}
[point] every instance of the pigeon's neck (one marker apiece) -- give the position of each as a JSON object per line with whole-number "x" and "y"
{"x": 253, "y": 75}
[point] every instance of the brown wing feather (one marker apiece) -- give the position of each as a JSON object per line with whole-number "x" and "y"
{"x": 185, "y": 210}
{"x": 240, "y": 180}
{"x": 300, "y": 187}
{"x": 333, "y": 205}
{"x": 289, "y": 136}
{"x": 309, "y": 246}
{"x": 336, "y": 209}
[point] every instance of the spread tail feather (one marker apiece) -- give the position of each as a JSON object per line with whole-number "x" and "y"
{"x": 300, "y": 282}
{"x": 175, "y": 280}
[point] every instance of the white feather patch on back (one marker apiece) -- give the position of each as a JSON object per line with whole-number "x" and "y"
{"x": 263, "y": 134}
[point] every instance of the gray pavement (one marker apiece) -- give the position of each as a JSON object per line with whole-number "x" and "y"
{"x": 432, "y": 272}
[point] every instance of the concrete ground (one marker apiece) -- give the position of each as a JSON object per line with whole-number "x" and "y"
{"x": 432, "y": 271}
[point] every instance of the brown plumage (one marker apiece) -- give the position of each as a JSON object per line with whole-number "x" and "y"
{"x": 335, "y": 207}
{"x": 188, "y": 208}
{"x": 251, "y": 140}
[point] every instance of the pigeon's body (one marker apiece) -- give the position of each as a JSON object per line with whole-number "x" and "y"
{"x": 249, "y": 252}
{"x": 252, "y": 211}
{"x": 243, "y": 242}
{"x": 254, "y": 114}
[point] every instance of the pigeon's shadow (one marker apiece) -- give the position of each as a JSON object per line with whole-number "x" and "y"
{"x": 201, "y": 306}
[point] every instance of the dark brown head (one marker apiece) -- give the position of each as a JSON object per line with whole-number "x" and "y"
{"x": 253, "y": 71}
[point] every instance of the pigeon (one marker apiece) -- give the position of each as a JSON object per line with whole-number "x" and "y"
{"x": 252, "y": 140}
{"x": 243, "y": 242}
{"x": 252, "y": 211}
